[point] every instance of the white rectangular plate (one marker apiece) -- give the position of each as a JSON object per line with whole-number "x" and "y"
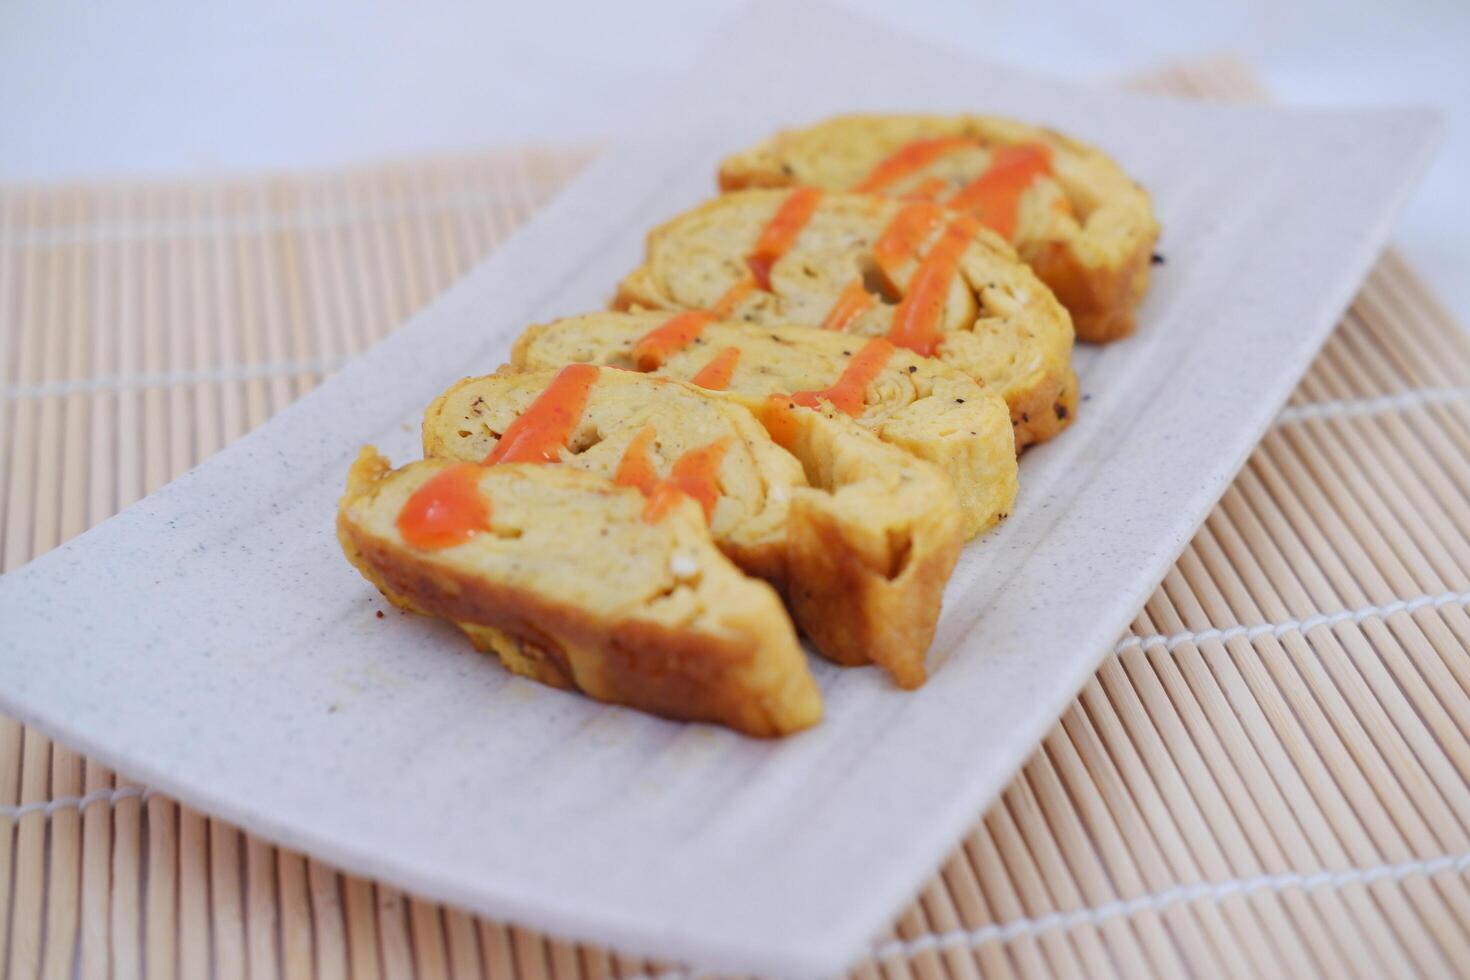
{"x": 212, "y": 642}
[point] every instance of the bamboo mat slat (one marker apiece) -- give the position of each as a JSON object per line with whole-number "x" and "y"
{"x": 1269, "y": 776}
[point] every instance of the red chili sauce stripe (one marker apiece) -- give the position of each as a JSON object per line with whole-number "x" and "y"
{"x": 540, "y": 432}
{"x": 846, "y": 395}
{"x": 668, "y": 338}
{"x": 635, "y": 469}
{"x": 726, "y": 304}
{"x": 695, "y": 474}
{"x": 852, "y": 302}
{"x": 448, "y": 509}
{"x": 780, "y": 232}
{"x": 928, "y": 189}
{"x": 911, "y": 158}
{"x": 995, "y": 196}
{"x": 716, "y": 374}
{"x": 904, "y": 235}
{"x": 917, "y": 320}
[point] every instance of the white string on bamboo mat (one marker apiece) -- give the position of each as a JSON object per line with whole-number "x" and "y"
{"x": 1157, "y": 901}
{"x": 167, "y": 379}
{"x": 48, "y": 807}
{"x": 291, "y": 219}
{"x": 1168, "y": 641}
{"x": 1153, "y": 902}
{"x": 1172, "y": 641}
{"x": 1004, "y": 932}
{"x": 1372, "y": 406}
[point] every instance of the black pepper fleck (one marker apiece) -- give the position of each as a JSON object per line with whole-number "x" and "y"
{"x": 380, "y": 614}
{"x": 1156, "y": 259}
{"x": 1061, "y": 412}
{"x": 959, "y": 401}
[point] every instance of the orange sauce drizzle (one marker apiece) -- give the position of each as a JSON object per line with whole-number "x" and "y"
{"x": 716, "y": 374}
{"x": 668, "y": 338}
{"x": 635, "y": 469}
{"x": 851, "y": 304}
{"x": 726, "y": 304}
{"x": 927, "y": 189}
{"x": 447, "y": 510}
{"x": 660, "y": 500}
{"x": 847, "y": 394}
{"x": 775, "y": 240}
{"x": 910, "y": 158}
{"x": 908, "y": 229}
{"x": 916, "y": 321}
{"x": 779, "y": 233}
{"x": 779, "y": 420}
{"x": 540, "y": 432}
{"x": 995, "y": 196}
{"x": 695, "y": 474}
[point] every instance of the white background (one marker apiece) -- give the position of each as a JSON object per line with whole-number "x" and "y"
{"x": 160, "y": 89}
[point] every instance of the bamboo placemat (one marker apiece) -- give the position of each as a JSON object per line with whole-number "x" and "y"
{"x": 1270, "y": 776}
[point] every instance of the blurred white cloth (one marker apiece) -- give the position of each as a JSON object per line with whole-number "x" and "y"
{"x": 159, "y": 89}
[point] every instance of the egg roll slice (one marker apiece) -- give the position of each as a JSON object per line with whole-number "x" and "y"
{"x": 928, "y": 279}
{"x": 847, "y": 527}
{"x": 1072, "y": 213}
{"x": 915, "y": 403}
{"x": 565, "y": 578}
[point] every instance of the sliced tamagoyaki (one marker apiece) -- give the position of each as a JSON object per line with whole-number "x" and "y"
{"x": 931, "y": 280}
{"x": 1074, "y": 215}
{"x": 916, "y": 403}
{"x": 859, "y": 536}
{"x": 572, "y": 582}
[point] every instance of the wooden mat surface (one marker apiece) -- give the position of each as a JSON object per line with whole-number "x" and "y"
{"x": 1269, "y": 776}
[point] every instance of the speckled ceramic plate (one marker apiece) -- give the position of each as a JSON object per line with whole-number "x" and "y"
{"x": 212, "y": 642}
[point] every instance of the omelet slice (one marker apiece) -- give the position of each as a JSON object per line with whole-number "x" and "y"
{"x": 927, "y": 279}
{"x": 1073, "y": 214}
{"x": 564, "y": 576}
{"x": 860, "y": 536}
{"x": 915, "y": 403}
